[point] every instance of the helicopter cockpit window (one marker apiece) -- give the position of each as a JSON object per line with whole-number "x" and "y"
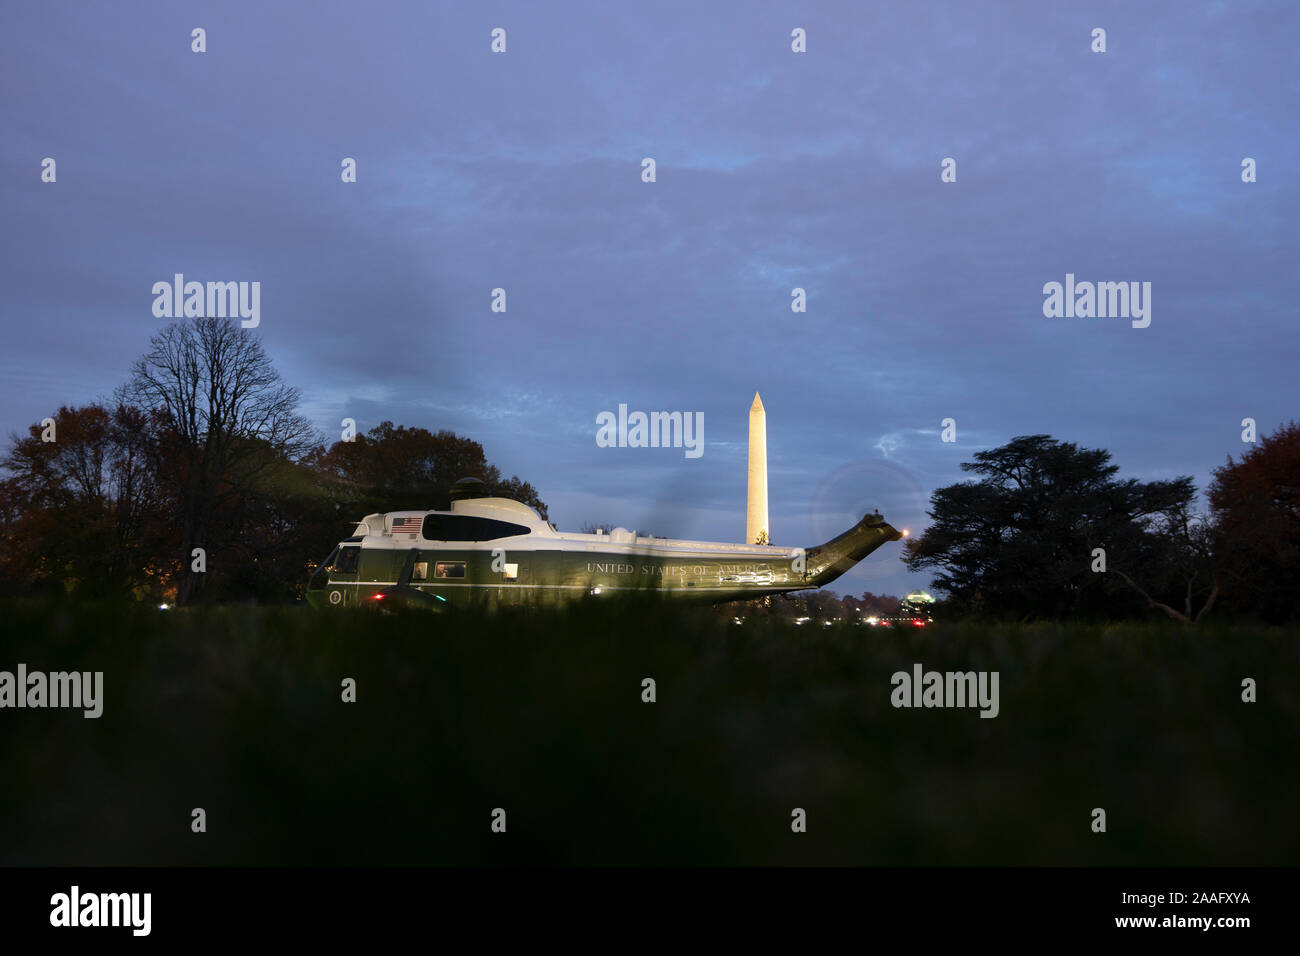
{"x": 346, "y": 562}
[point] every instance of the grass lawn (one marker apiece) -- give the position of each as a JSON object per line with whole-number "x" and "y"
{"x": 238, "y": 710}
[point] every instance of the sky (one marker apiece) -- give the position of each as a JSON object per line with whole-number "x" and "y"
{"x": 774, "y": 170}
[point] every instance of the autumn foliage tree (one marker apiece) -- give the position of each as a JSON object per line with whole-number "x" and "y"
{"x": 80, "y": 501}
{"x": 1255, "y": 502}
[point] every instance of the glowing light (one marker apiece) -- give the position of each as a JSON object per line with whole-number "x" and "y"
{"x": 164, "y": 607}
{"x": 906, "y": 532}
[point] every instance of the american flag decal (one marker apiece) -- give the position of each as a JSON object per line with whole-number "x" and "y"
{"x": 405, "y": 526}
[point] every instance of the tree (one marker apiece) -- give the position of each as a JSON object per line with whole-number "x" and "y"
{"x": 1020, "y": 540}
{"x": 393, "y": 468}
{"x": 283, "y": 525}
{"x": 1180, "y": 561}
{"x": 1256, "y": 507}
{"x": 226, "y": 417}
{"x": 881, "y": 605}
{"x": 78, "y": 511}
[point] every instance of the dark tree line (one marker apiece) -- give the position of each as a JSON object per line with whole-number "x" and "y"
{"x": 201, "y": 480}
{"x": 1049, "y": 530}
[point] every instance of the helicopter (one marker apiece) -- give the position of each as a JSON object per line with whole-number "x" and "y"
{"x": 496, "y": 549}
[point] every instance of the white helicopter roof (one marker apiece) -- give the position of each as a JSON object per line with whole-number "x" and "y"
{"x": 506, "y": 509}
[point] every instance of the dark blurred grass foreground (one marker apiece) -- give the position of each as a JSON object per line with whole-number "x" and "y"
{"x": 238, "y": 710}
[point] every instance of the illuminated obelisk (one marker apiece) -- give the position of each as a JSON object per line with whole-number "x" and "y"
{"x": 756, "y": 527}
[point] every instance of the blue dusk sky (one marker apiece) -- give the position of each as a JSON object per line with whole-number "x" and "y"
{"x": 774, "y": 170}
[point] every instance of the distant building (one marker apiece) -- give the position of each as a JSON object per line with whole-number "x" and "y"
{"x": 918, "y": 605}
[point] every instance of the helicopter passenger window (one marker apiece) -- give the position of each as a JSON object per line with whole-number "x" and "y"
{"x": 347, "y": 561}
{"x": 469, "y": 528}
{"x": 421, "y": 571}
{"x": 449, "y": 569}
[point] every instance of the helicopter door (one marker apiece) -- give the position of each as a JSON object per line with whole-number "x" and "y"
{"x": 342, "y": 588}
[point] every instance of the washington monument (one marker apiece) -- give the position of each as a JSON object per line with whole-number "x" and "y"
{"x": 757, "y": 530}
